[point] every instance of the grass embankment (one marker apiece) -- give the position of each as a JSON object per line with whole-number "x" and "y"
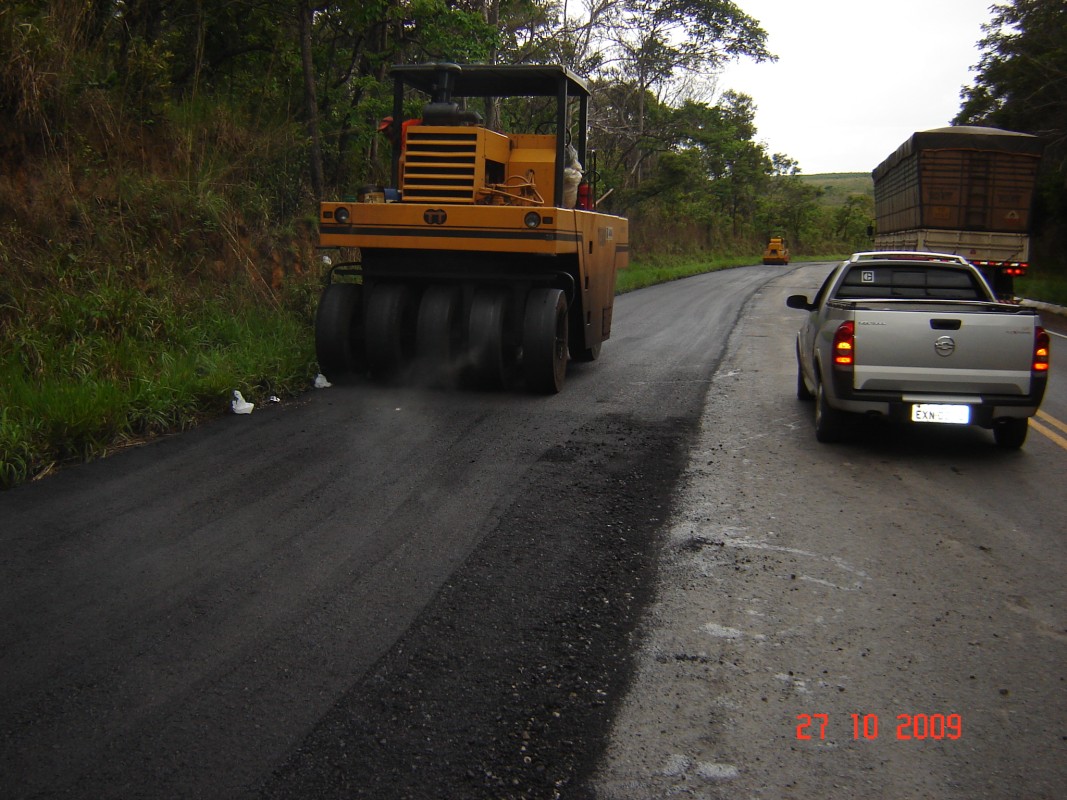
{"x": 90, "y": 363}
{"x": 649, "y": 270}
{"x": 144, "y": 276}
{"x": 1046, "y": 288}
{"x": 87, "y": 367}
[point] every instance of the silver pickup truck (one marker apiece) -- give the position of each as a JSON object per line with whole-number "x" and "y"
{"x": 919, "y": 337}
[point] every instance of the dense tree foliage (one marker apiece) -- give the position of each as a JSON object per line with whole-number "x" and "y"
{"x": 284, "y": 97}
{"x": 1021, "y": 84}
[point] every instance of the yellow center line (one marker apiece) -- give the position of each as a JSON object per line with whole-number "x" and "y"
{"x": 1051, "y": 434}
{"x": 1053, "y": 421}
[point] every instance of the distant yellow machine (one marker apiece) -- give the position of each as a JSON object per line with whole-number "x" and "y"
{"x": 777, "y": 252}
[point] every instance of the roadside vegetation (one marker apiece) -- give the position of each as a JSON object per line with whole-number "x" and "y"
{"x": 1044, "y": 285}
{"x": 161, "y": 165}
{"x": 87, "y": 372}
{"x": 661, "y": 269}
{"x": 652, "y": 269}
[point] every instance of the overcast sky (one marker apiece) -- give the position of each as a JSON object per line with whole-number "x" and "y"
{"x": 855, "y": 78}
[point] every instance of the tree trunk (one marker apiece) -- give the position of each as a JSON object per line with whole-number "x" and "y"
{"x": 491, "y": 10}
{"x": 311, "y": 106}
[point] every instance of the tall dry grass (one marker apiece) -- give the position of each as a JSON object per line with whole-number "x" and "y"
{"x": 155, "y": 254}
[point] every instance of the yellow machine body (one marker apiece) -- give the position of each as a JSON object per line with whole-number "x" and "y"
{"x": 477, "y": 213}
{"x": 776, "y": 251}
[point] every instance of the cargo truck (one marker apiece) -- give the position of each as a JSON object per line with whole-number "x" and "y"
{"x": 486, "y": 259}
{"x": 961, "y": 190}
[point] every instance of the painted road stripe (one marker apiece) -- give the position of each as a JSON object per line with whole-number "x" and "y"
{"x": 1053, "y": 421}
{"x": 1051, "y": 434}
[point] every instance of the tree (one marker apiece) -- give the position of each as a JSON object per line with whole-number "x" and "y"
{"x": 852, "y": 219}
{"x": 652, "y": 46}
{"x": 655, "y": 40}
{"x": 1021, "y": 84}
{"x": 1021, "y": 81}
{"x": 707, "y": 181}
{"x": 789, "y": 204}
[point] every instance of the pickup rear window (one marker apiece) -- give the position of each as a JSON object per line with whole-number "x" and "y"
{"x": 872, "y": 282}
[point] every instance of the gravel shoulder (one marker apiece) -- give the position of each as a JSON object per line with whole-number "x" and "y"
{"x": 905, "y": 573}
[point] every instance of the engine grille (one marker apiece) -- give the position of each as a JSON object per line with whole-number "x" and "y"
{"x": 448, "y": 164}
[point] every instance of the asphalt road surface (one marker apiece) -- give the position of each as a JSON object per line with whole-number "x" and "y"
{"x": 631, "y": 589}
{"x": 367, "y": 592}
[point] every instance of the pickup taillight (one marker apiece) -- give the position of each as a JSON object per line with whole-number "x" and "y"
{"x": 845, "y": 344}
{"x": 1041, "y": 350}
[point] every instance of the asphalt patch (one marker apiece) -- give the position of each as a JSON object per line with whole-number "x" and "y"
{"x": 506, "y": 685}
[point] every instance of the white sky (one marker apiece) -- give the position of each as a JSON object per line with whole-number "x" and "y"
{"x": 855, "y": 78}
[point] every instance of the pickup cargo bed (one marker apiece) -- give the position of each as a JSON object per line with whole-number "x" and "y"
{"x": 943, "y": 347}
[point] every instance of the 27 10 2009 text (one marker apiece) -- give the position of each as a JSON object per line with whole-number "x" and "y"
{"x": 910, "y": 727}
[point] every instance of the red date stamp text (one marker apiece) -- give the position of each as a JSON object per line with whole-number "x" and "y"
{"x": 909, "y": 727}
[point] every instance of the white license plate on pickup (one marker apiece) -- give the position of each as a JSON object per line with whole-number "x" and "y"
{"x": 941, "y": 412}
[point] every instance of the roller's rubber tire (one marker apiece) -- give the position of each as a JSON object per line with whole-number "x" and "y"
{"x": 339, "y": 342}
{"x": 586, "y": 354}
{"x": 544, "y": 340}
{"x": 388, "y": 337}
{"x": 438, "y": 331}
{"x": 492, "y": 361}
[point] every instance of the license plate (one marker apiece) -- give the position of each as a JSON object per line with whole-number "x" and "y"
{"x": 941, "y": 412}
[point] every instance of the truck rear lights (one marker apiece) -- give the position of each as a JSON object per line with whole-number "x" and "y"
{"x": 1041, "y": 350}
{"x": 844, "y": 348}
{"x": 1013, "y": 268}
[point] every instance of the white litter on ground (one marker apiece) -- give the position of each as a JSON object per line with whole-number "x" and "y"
{"x": 240, "y": 405}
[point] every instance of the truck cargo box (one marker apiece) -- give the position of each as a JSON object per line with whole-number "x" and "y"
{"x": 958, "y": 178}
{"x": 978, "y": 247}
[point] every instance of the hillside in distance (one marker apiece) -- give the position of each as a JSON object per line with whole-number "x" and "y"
{"x": 837, "y": 187}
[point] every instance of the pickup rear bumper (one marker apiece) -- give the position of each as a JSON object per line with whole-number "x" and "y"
{"x": 987, "y": 409}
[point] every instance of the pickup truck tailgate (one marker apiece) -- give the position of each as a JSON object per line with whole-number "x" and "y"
{"x": 923, "y": 347}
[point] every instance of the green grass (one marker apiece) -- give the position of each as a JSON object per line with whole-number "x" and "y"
{"x": 92, "y": 372}
{"x": 650, "y": 270}
{"x": 839, "y": 186}
{"x": 136, "y": 282}
{"x": 1047, "y": 288}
